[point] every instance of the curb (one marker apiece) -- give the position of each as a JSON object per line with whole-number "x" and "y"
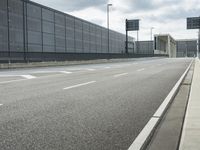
{"x": 61, "y": 63}
{"x": 66, "y": 63}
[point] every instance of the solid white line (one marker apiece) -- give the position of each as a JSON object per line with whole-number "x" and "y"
{"x": 9, "y": 75}
{"x": 28, "y": 76}
{"x": 1, "y": 104}
{"x": 65, "y": 72}
{"x": 140, "y": 69}
{"x": 90, "y": 69}
{"x": 119, "y": 75}
{"x": 78, "y": 85}
{"x": 12, "y": 81}
{"x": 141, "y": 138}
{"x": 145, "y": 133}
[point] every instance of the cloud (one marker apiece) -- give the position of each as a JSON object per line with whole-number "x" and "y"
{"x": 72, "y": 5}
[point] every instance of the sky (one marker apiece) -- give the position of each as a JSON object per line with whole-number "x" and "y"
{"x": 165, "y": 16}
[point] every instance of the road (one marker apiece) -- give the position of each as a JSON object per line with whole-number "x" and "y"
{"x": 83, "y": 107}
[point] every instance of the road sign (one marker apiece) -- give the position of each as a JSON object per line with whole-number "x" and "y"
{"x": 132, "y": 25}
{"x": 193, "y": 23}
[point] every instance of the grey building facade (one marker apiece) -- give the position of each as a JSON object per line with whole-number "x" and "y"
{"x": 33, "y": 32}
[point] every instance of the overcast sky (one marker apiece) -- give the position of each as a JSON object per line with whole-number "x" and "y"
{"x": 166, "y": 16}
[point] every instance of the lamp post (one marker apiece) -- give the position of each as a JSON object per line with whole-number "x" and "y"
{"x": 108, "y": 6}
{"x": 151, "y": 34}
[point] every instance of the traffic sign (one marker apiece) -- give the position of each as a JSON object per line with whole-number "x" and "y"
{"x": 132, "y": 25}
{"x": 193, "y": 23}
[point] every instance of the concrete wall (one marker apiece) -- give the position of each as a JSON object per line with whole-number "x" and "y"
{"x": 32, "y": 32}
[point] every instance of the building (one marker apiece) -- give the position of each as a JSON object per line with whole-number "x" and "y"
{"x": 164, "y": 44}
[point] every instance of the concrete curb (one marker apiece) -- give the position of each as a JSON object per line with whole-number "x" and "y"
{"x": 62, "y": 63}
{"x": 143, "y": 138}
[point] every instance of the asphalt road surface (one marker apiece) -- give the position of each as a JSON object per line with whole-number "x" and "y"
{"x": 83, "y": 107}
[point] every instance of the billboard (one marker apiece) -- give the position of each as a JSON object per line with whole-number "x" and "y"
{"x": 132, "y": 25}
{"x": 193, "y": 23}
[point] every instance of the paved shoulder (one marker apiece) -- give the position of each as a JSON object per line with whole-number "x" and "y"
{"x": 191, "y": 131}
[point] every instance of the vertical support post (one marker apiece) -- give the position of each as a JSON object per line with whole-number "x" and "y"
{"x": 8, "y": 21}
{"x": 42, "y": 34}
{"x": 25, "y": 30}
{"x": 137, "y": 41}
{"x": 108, "y": 29}
{"x": 126, "y": 38}
{"x": 108, "y": 5}
{"x": 198, "y": 43}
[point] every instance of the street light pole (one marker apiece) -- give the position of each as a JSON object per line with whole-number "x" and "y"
{"x": 108, "y": 5}
{"x": 151, "y": 34}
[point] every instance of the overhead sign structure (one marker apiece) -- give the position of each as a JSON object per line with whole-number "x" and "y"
{"x": 132, "y": 25}
{"x": 193, "y": 23}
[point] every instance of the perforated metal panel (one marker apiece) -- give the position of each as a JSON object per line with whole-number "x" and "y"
{"x": 34, "y": 24}
{"x": 98, "y": 39}
{"x": 48, "y": 27}
{"x": 34, "y": 48}
{"x": 3, "y": 5}
{"x": 78, "y": 36}
{"x": 34, "y": 11}
{"x": 70, "y": 38}
{"x": 3, "y": 39}
{"x": 34, "y": 37}
{"x": 92, "y": 38}
{"x": 47, "y": 15}
{"x": 16, "y": 25}
{"x": 3, "y": 18}
{"x": 60, "y": 19}
{"x": 60, "y": 44}
{"x": 3, "y": 26}
{"x": 60, "y": 30}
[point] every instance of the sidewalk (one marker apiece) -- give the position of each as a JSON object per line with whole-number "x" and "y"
{"x": 190, "y": 139}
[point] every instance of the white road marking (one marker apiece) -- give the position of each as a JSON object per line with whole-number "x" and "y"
{"x": 140, "y": 69}
{"x": 90, "y": 69}
{"x": 107, "y": 67}
{"x": 78, "y": 85}
{"x": 119, "y": 75}
{"x": 65, "y": 72}
{"x": 149, "y": 127}
{"x": 28, "y": 76}
{"x": 12, "y": 81}
{"x": 1, "y": 104}
{"x": 9, "y": 75}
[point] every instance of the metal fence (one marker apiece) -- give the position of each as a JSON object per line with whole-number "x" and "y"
{"x": 186, "y": 48}
{"x": 30, "y": 31}
{"x": 144, "y": 47}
